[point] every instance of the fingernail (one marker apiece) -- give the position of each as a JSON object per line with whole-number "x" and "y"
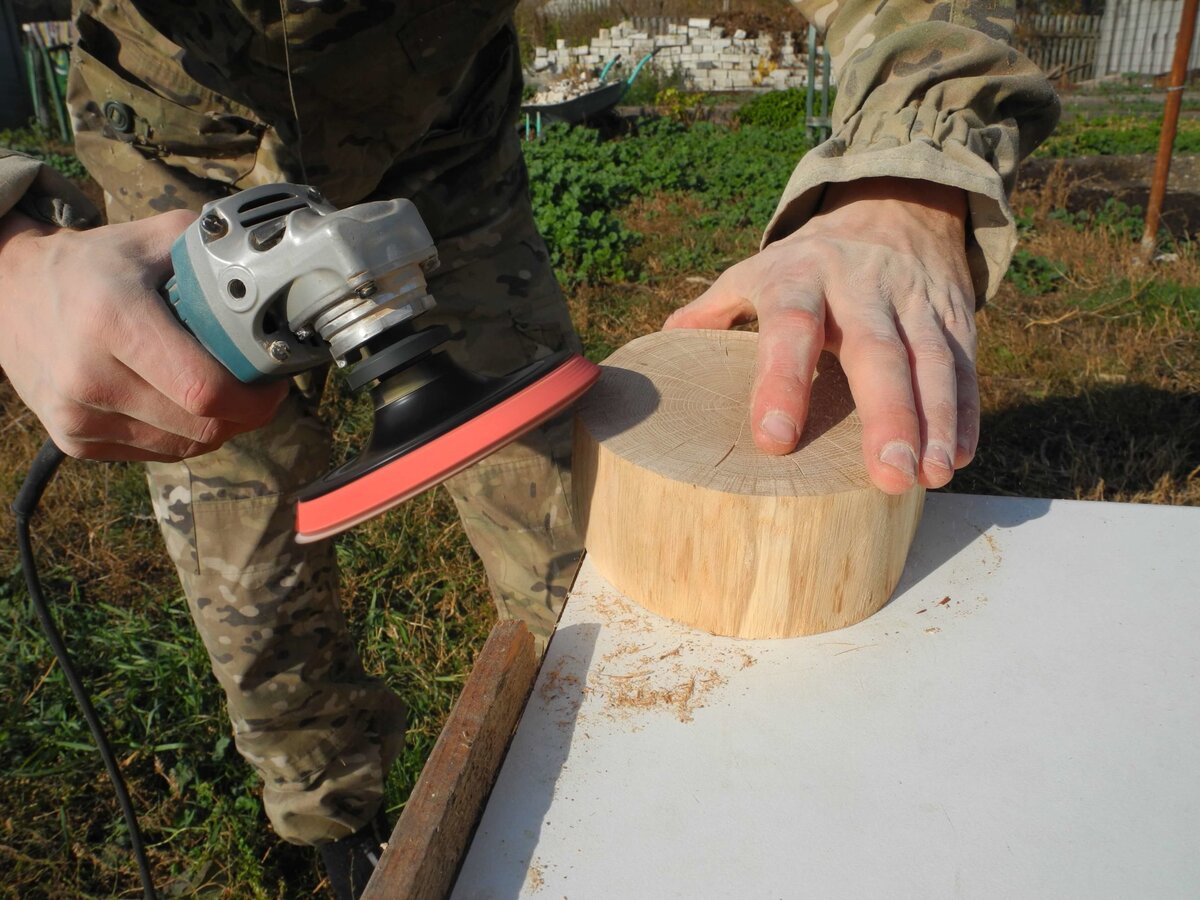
{"x": 900, "y": 456}
{"x": 937, "y": 455}
{"x": 780, "y": 427}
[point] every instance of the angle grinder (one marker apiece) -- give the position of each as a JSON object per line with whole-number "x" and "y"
{"x": 275, "y": 280}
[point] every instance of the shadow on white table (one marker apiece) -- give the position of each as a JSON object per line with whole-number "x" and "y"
{"x": 1021, "y": 720}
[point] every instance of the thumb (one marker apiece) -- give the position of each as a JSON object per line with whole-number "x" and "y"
{"x": 720, "y": 307}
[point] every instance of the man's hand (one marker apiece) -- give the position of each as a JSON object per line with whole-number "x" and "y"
{"x": 92, "y": 349}
{"x": 880, "y": 279}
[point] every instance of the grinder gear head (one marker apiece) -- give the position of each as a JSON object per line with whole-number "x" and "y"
{"x": 275, "y": 280}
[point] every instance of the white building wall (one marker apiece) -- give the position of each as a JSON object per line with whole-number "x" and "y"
{"x": 707, "y": 57}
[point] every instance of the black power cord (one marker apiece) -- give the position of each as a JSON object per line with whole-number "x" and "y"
{"x": 45, "y": 464}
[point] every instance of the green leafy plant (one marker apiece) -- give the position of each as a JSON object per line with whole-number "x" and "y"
{"x": 580, "y": 183}
{"x": 682, "y": 106}
{"x": 1033, "y": 274}
{"x": 775, "y": 109}
{"x": 37, "y": 141}
{"x": 1117, "y": 135}
{"x": 1114, "y": 216}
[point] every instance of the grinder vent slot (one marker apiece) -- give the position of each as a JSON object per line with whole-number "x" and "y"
{"x": 269, "y": 206}
{"x": 264, "y": 199}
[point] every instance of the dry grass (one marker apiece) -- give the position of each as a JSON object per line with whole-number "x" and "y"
{"x": 1092, "y": 390}
{"x": 1089, "y": 391}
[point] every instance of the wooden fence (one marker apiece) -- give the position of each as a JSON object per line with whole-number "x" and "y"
{"x": 1064, "y": 46}
{"x": 1138, "y": 37}
{"x": 574, "y": 7}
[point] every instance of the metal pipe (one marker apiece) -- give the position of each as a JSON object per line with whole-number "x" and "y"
{"x": 810, "y": 85}
{"x": 1166, "y": 139}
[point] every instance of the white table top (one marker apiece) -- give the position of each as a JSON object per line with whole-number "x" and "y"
{"x": 1022, "y": 720}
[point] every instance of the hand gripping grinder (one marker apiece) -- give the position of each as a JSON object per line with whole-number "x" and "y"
{"x": 275, "y": 280}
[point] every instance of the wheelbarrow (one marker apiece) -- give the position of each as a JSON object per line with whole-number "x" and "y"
{"x": 586, "y": 106}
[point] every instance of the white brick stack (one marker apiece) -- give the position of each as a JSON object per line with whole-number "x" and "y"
{"x": 708, "y": 59}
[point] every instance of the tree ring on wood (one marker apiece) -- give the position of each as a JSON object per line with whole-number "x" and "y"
{"x": 683, "y": 514}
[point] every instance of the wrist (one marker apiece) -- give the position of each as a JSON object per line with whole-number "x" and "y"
{"x": 941, "y": 208}
{"x": 18, "y": 230}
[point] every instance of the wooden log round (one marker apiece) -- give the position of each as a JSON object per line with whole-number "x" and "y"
{"x": 685, "y": 515}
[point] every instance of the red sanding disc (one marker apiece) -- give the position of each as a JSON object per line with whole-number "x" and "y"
{"x": 434, "y": 462}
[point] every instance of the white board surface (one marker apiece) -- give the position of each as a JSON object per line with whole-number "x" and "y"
{"x": 1022, "y": 720}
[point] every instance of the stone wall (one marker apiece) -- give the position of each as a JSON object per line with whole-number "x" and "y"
{"x": 707, "y": 57}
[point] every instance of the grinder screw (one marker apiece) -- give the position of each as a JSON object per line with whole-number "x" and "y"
{"x": 366, "y": 289}
{"x": 279, "y": 351}
{"x": 213, "y": 225}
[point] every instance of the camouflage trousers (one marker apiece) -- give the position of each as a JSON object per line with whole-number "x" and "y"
{"x": 320, "y": 732}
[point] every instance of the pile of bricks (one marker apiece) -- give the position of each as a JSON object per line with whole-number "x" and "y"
{"x": 706, "y": 57}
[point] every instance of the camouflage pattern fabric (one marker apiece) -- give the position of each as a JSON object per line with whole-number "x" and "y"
{"x": 177, "y": 102}
{"x": 37, "y": 190}
{"x": 320, "y": 732}
{"x": 931, "y": 90}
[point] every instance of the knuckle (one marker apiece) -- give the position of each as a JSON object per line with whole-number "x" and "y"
{"x": 168, "y": 446}
{"x": 90, "y": 392}
{"x": 211, "y": 435}
{"x": 74, "y": 449}
{"x": 885, "y": 344}
{"x": 72, "y": 423}
{"x": 793, "y": 319}
{"x": 933, "y": 352}
{"x": 198, "y": 392}
{"x": 941, "y": 416}
{"x": 193, "y": 449}
{"x": 72, "y": 436}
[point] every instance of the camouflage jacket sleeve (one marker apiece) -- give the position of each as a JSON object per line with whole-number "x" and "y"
{"x": 41, "y": 192}
{"x": 927, "y": 89}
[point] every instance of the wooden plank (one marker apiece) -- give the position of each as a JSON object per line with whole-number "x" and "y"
{"x": 428, "y": 843}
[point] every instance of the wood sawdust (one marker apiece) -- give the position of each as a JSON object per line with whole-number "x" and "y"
{"x": 638, "y": 677}
{"x": 534, "y": 879}
{"x": 560, "y": 692}
{"x": 558, "y": 684}
{"x": 681, "y": 697}
{"x": 614, "y": 610}
{"x": 995, "y": 548}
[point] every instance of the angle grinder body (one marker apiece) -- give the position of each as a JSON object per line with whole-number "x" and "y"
{"x": 275, "y": 280}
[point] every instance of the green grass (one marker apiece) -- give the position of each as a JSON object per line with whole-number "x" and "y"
{"x": 580, "y": 183}
{"x": 1117, "y": 135}
{"x": 1148, "y": 302}
{"x": 40, "y": 143}
{"x": 1089, "y": 373}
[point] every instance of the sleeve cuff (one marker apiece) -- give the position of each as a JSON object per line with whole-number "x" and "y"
{"x": 39, "y": 191}
{"x": 991, "y": 226}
